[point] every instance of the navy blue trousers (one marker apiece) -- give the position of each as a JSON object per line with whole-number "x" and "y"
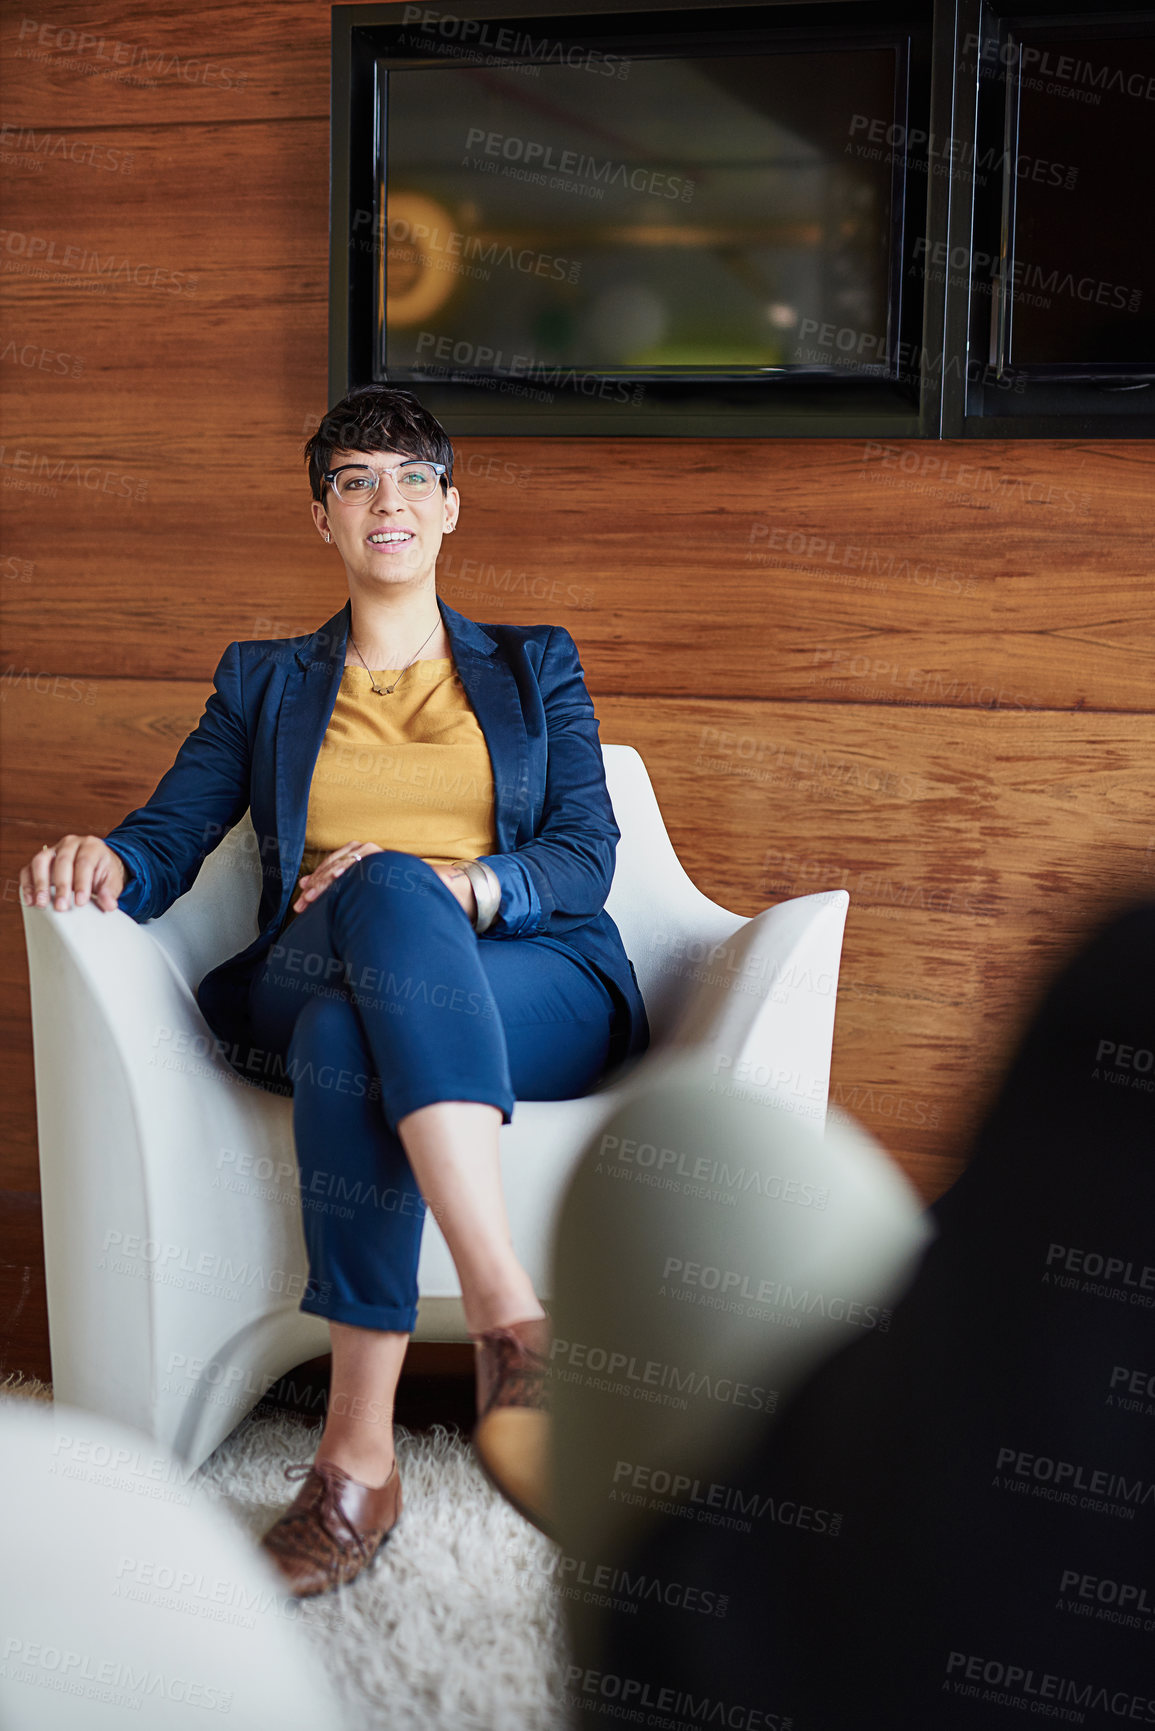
{"x": 380, "y": 998}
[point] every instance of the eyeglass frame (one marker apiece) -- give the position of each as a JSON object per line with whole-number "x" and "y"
{"x": 329, "y": 477}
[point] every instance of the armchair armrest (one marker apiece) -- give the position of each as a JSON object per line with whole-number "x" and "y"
{"x": 151, "y": 1242}
{"x": 761, "y": 1004}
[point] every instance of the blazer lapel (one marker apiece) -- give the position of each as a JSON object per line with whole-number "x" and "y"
{"x": 312, "y": 682}
{"x": 492, "y": 690}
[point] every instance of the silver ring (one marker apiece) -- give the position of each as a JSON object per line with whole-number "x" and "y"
{"x": 357, "y": 857}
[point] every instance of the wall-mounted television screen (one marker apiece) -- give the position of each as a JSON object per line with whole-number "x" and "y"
{"x": 878, "y": 218}
{"x": 659, "y": 220}
{"x": 719, "y": 217}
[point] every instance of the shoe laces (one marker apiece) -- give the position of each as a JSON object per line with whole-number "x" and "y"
{"x": 328, "y": 1505}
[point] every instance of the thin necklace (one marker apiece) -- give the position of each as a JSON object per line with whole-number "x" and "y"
{"x": 384, "y": 690}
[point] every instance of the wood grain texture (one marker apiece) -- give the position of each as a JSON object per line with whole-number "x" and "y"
{"x": 142, "y": 63}
{"x": 978, "y": 850}
{"x": 844, "y": 595}
{"x": 23, "y": 1300}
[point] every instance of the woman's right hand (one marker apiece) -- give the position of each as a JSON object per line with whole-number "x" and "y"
{"x": 334, "y": 865}
{"x": 82, "y": 864}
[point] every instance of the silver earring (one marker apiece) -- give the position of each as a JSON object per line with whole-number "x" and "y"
{"x": 449, "y": 528}
{"x": 328, "y": 537}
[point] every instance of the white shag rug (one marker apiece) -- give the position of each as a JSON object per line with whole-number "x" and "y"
{"x": 457, "y": 1626}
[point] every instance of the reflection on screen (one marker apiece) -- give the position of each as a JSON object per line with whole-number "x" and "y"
{"x": 1080, "y": 283}
{"x": 698, "y": 217}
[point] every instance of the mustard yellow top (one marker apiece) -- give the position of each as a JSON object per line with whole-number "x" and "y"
{"x": 410, "y": 771}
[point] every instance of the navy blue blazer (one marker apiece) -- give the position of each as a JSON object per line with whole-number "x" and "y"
{"x": 255, "y": 748}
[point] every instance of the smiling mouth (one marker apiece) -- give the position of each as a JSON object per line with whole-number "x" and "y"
{"x": 387, "y": 537}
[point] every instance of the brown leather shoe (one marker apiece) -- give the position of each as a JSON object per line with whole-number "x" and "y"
{"x": 333, "y": 1528}
{"x": 512, "y": 1431}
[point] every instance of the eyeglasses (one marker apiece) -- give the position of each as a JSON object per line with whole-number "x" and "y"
{"x": 356, "y": 483}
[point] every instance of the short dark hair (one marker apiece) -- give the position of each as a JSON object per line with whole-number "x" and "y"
{"x": 378, "y": 418}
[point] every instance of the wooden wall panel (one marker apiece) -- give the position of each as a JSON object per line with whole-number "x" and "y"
{"x": 148, "y": 63}
{"x": 889, "y": 599}
{"x": 919, "y": 815}
{"x": 921, "y": 671}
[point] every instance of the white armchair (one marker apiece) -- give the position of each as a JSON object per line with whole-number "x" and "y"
{"x": 174, "y": 1253}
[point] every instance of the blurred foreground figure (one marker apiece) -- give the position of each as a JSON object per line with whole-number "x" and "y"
{"x": 917, "y": 1521}
{"x": 129, "y": 1596}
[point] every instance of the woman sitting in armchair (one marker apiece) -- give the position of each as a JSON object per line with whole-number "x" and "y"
{"x": 437, "y": 845}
